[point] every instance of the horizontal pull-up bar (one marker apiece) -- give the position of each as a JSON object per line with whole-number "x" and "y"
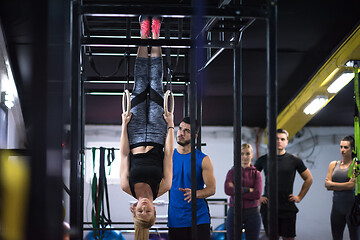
{"x": 111, "y": 92}
{"x": 125, "y": 82}
{"x": 171, "y": 43}
{"x": 99, "y": 10}
{"x": 134, "y": 42}
{"x": 123, "y": 54}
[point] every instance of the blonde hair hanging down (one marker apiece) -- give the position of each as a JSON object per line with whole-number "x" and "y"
{"x": 142, "y": 227}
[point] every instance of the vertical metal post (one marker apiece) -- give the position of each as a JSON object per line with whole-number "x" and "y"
{"x": 199, "y": 88}
{"x": 48, "y": 84}
{"x": 193, "y": 156}
{"x": 271, "y": 84}
{"x": 58, "y": 73}
{"x": 208, "y": 50}
{"x": 128, "y": 27}
{"x": 186, "y": 99}
{"x": 75, "y": 171}
{"x": 237, "y": 134}
{"x": 199, "y": 116}
{"x": 196, "y": 53}
{"x": 168, "y": 57}
{"x": 187, "y": 66}
{"x": 82, "y": 150}
{"x": 237, "y": 138}
{"x": 37, "y": 221}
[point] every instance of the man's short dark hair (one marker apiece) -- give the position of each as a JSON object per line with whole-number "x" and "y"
{"x": 188, "y": 121}
{"x": 349, "y": 139}
{"x": 280, "y": 130}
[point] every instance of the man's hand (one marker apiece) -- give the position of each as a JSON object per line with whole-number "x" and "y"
{"x": 263, "y": 200}
{"x": 187, "y": 194}
{"x": 293, "y": 198}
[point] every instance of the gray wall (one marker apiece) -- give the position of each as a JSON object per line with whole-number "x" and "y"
{"x": 316, "y": 146}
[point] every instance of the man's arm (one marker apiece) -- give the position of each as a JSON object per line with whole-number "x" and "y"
{"x": 209, "y": 180}
{"x": 259, "y": 166}
{"x": 307, "y": 177}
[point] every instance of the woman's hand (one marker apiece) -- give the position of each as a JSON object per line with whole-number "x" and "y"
{"x": 125, "y": 118}
{"x": 328, "y": 184}
{"x": 169, "y": 118}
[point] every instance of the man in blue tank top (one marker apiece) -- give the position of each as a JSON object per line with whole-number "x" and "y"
{"x": 179, "y": 214}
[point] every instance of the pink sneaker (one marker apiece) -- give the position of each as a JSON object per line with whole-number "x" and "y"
{"x": 144, "y": 26}
{"x": 155, "y": 27}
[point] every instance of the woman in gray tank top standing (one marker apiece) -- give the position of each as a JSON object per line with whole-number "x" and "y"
{"x": 343, "y": 187}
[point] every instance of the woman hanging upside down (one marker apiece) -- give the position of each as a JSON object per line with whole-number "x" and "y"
{"x": 147, "y": 139}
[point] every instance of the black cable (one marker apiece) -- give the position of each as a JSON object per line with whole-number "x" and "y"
{"x": 314, "y": 141}
{"x": 93, "y": 66}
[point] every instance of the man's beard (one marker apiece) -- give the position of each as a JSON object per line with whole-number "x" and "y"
{"x": 184, "y": 143}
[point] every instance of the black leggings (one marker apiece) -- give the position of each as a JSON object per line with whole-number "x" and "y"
{"x": 203, "y": 232}
{"x": 339, "y": 217}
{"x": 147, "y": 125}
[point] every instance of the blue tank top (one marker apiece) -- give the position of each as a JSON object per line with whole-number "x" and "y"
{"x": 179, "y": 214}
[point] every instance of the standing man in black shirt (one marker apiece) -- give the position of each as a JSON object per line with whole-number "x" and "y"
{"x": 288, "y": 165}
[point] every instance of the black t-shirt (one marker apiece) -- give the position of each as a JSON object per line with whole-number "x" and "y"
{"x": 147, "y": 168}
{"x": 288, "y": 165}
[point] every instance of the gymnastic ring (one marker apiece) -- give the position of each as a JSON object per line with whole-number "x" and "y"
{"x": 126, "y": 103}
{"x": 166, "y": 97}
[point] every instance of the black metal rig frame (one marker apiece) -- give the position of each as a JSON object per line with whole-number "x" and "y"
{"x": 95, "y": 31}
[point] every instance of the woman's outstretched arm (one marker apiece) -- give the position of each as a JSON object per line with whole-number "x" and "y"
{"x": 166, "y": 182}
{"x": 125, "y": 152}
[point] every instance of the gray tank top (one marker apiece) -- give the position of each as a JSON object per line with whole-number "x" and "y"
{"x": 340, "y": 175}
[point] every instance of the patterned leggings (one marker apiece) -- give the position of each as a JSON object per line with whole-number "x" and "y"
{"x": 147, "y": 125}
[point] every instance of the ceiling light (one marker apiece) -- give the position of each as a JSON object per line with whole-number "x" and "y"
{"x": 340, "y": 82}
{"x": 330, "y": 77}
{"x": 315, "y": 105}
